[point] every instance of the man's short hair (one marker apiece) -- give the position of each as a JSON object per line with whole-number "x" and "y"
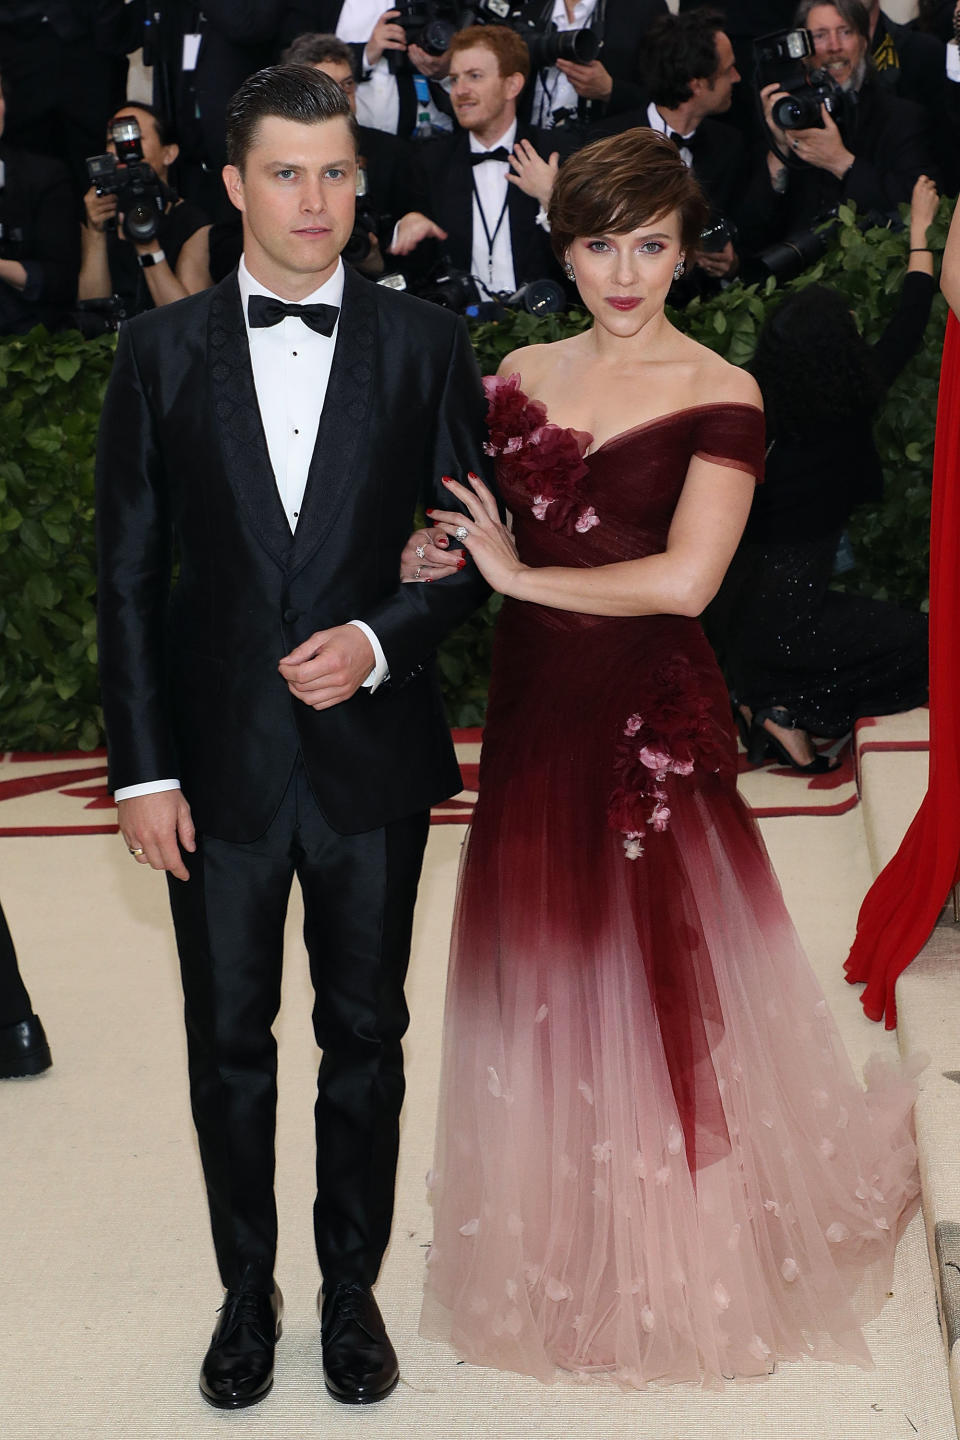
{"x": 678, "y": 49}
{"x": 852, "y": 12}
{"x": 290, "y": 92}
{"x": 165, "y": 131}
{"x": 316, "y": 50}
{"x": 513, "y": 57}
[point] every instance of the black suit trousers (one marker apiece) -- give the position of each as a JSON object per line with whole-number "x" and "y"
{"x": 358, "y": 893}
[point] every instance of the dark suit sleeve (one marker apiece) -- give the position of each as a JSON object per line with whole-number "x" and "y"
{"x": 133, "y": 560}
{"x": 411, "y": 622}
{"x": 901, "y": 156}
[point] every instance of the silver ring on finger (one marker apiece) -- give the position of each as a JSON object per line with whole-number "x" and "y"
{"x": 416, "y": 573}
{"x": 420, "y": 552}
{"x": 461, "y": 533}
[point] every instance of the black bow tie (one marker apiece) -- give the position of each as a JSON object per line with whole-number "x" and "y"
{"x": 264, "y": 310}
{"x": 477, "y": 157}
{"x": 686, "y": 142}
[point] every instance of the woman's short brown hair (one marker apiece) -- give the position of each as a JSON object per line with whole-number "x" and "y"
{"x": 616, "y": 185}
{"x": 513, "y": 57}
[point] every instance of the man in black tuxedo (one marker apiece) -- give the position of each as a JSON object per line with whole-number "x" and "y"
{"x": 483, "y": 223}
{"x": 277, "y": 432}
{"x": 689, "y": 75}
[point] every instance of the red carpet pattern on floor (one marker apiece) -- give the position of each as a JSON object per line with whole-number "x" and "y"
{"x": 66, "y": 793}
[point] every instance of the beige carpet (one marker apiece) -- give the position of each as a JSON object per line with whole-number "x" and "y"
{"x": 107, "y": 1283}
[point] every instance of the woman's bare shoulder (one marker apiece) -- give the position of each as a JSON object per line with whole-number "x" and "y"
{"x": 717, "y": 381}
{"x": 532, "y": 362}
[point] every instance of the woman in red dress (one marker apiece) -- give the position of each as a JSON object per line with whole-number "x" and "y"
{"x": 653, "y": 1158}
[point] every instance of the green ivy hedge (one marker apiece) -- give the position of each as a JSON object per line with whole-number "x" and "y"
{"x": 51, "y": 389}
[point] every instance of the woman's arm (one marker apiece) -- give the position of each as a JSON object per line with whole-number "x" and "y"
{"x": 950, "y": 271}
{"x": 681, "y": 580}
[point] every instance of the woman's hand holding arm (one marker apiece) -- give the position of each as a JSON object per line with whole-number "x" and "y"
{"x": 681, "y": 580}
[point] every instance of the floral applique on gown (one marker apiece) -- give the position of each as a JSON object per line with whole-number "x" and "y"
{"x": 653, "y": 1158}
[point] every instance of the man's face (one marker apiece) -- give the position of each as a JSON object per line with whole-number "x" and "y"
{"x": 480, "y": 95}
{"x": 342, "y": 73}
{"x": 297, "y": 194}
{"x": 838, "y": 47}
{"x": 159, "y": 157}
{"x": 717, "y": 96}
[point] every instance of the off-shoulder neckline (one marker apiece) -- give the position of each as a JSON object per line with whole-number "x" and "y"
{"x": 644, "y": 424}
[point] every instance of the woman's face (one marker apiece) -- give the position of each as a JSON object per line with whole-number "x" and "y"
{"x": 623, "y": 279}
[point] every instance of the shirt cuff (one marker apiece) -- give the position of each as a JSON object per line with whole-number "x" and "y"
{"x": 953, "y": 61}
{"x": 381, "y": 669}
{"x": 149, "y": 787}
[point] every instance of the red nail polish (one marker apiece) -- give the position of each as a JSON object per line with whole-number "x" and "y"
{"x": 429, "y": 512}
{"x": 445, "y": 479}
{"x": 472, "y": 476}
{"x": 460, "y": 563}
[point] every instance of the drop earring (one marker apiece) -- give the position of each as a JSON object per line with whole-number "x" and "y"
{"x": 569, "y": 271}
{"x": 678, "y": 269}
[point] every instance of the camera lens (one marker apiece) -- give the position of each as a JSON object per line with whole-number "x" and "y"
{"x": 140, "y": 222}
{"x": 789, "y": 113}
{"x": 436, "y": 36}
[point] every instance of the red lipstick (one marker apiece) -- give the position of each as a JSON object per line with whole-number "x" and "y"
{"x": 623, "y": 302}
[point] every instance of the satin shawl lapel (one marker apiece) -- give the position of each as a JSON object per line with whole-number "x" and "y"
{"x": 240, "y": 428}
{"x": 343, "y": 420}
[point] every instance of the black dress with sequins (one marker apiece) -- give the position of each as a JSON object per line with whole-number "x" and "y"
{"x": 783, "y": 636}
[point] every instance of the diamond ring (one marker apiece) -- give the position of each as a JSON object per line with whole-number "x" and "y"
{"x": 420, "y": 551}
{"x": 416, "y": 573}
{"x": 461, "y": 533}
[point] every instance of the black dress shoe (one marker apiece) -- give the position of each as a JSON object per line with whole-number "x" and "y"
{"x": 359, "y": 1363}
{"x": 23, "y": 1049}
{"x": 237, "y": 1370}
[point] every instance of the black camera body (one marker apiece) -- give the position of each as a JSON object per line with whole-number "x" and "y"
{"x": 431, "y": 24}
{"x": 533, "y": 24}
{"x": 141, "y": 194}
{"x": 780, "y": 59}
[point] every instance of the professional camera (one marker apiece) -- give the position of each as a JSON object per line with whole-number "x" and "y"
{"x": 534, "y": 25}
{"x": 141, "y": 194}
{"x": 780, "y": 59}
{"x": 715, "y": 236}
{"x": 452, "y": 288}
{"x": 431, "y": 24}
{"x": 788, "y": 258}
{"x": 538, "y": 297}
{"x": 366, "y": 223}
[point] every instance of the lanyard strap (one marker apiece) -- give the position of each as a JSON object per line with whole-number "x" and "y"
{"x": 490, "y": 239}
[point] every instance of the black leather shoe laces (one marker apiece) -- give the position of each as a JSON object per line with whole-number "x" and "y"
{"x": 244, "y": 1307}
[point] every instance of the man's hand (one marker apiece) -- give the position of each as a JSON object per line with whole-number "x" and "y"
{"x": 101, "y": 209}
{"x": 435, "y": 67}
{"x": 768, "y": 96}
{"x": 531, "y": 173}
{"x": 411, "y": 229}
{"x": 329, "y": 667}
{"x": 722, "y": 264}
{"x": 591, "y": 82}
{"x": 153, "y": 824}
{"x": 823, "y": 148}
{"x": 386, "y": 36}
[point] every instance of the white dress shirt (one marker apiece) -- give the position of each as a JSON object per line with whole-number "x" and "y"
{"x": 378, "y": 99}
{"x": 492, "y": 264}
{"x": 656, "y": 122}
{"x": 552, "y": 90}
{"x": 291, "y": 370}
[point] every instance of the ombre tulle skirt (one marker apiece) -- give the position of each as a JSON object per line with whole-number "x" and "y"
{"x": 654, "y": 1160}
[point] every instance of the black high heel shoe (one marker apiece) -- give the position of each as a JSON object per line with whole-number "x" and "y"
{"x": 741, "y": 721}
{"x": 762, "y": 742}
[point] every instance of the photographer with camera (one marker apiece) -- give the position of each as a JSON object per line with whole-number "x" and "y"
{"x": 835, "y": 134}
{"x": 689, "y": 76}
{"x": 135, "y": 225}
{"x": 486, "y": 184}
{"x": 39, "y": 254}
{"x": 401, "y": 56}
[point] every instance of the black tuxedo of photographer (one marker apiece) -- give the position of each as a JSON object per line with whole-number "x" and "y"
{"x": 234, "y": 41}
{"x": 622, "y": 26}
{"x": 64, "y": 74}
{"x": 39, "y": 244}
{"x": 890, "y": 143}
{"x": 913, "y": 65}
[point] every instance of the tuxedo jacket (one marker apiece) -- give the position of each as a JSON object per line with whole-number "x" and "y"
{"x": 189, "y": 674}
{"x": 445, "y": 165}
{"x": 720, "y": 159}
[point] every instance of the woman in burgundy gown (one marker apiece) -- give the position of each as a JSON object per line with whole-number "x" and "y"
{"x": 653, "y": 1159}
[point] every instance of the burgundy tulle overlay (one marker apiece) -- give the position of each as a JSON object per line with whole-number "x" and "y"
{"x": 654, "y": 1160}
